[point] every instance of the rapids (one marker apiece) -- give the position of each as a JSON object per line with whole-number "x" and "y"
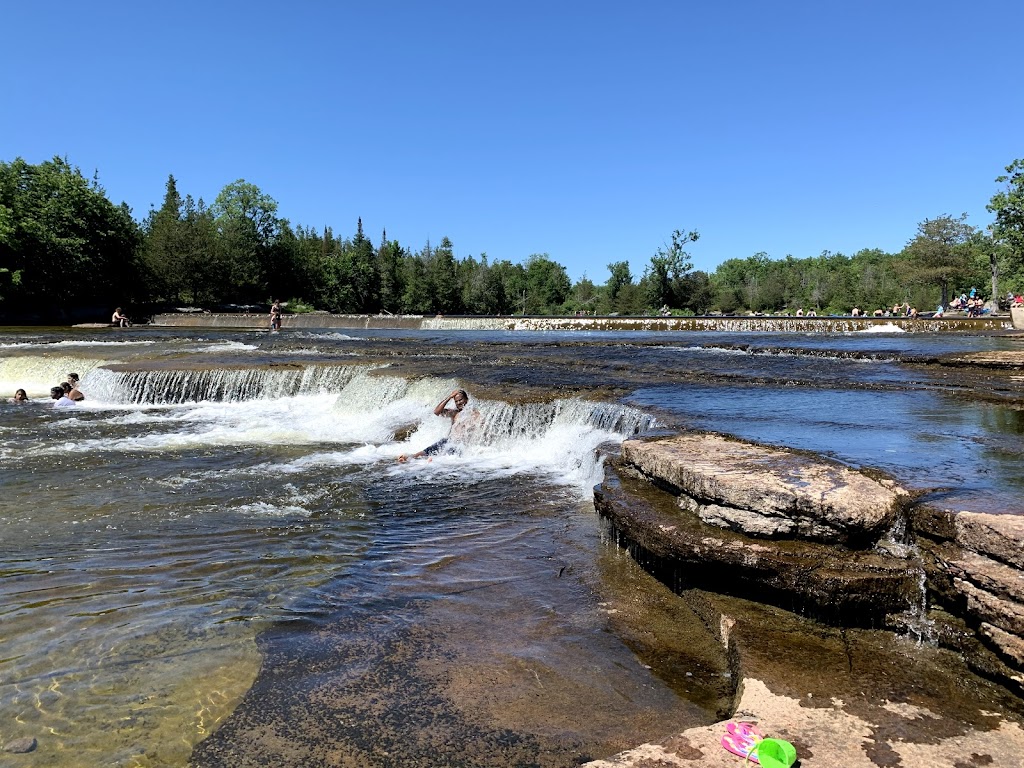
{"x": 221, "y": 528}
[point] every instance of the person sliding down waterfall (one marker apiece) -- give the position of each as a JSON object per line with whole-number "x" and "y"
{"x": 461, "y": 400}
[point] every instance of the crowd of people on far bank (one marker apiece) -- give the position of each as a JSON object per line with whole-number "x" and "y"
{"x": 64, "y": 395}
{"x": 971, "y": 304}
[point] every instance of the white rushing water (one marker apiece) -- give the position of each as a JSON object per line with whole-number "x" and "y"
{"x": 351, "y": 413}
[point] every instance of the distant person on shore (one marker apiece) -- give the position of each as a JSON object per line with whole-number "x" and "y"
{"x": 938, "y": 311}
{"x": 60, "y": 398}
{"x": 811, "y": 313}
{"x": 120, "y": 319}
{"x": 800, "y": 312}
{"x": 275, "y": 316}
{"x": 912, "y": 314}
{"x": 75, "y": 394}
{"x": 20, "y": 396}
{"x": 855, "y": 312}
{"x": 461, "y": 400}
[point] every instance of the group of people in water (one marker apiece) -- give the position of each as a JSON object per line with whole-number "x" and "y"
{"x": 63, "y": 395}
{"x": 67, "y": 394}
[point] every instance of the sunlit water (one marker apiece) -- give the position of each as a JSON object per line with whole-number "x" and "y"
{"x": 214, "y": 486}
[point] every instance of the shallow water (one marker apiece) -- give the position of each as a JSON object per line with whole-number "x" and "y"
{"x": 226, "y": 497}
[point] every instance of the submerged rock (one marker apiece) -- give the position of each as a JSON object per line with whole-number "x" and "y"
{"x": 21, "y": 746}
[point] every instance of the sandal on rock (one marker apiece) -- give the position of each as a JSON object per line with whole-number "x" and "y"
{"x": 770, "y": 753}
{"x": 744, "y": 746}
{"x": 745, "y": 729}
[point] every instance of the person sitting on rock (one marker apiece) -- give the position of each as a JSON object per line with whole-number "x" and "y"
{"x": 119, "y": 319}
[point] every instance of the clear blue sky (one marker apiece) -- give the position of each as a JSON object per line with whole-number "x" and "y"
{"x": 584, "y": 130}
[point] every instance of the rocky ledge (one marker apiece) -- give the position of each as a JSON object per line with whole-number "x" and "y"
{"x": 850, "y": 548}
{"x": 805, "y": 567}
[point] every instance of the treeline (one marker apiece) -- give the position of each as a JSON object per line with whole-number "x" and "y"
{"x": 64, "y": 244}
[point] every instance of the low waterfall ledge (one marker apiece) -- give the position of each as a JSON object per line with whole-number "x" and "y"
{"x": 816, "y": 577}
{"x": 771, "y": 324}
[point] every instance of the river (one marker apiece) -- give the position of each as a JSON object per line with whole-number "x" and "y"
{"x": 222, "y": 527}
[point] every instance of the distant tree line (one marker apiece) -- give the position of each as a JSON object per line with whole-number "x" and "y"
{"x": 64, "y": 244}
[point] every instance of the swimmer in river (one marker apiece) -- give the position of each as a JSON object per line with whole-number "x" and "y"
{"x": 461, "y": 400}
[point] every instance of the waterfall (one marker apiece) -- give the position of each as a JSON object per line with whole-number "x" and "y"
{"x": 173, "y": 387}
{"x": 36, "y": 374}
{"x": 913, "y": 622}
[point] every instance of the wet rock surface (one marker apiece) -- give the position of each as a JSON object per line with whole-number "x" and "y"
{"x": 974, "y": 564}
{"x": 842, "y": 695}
{"x": 852, "y": 698}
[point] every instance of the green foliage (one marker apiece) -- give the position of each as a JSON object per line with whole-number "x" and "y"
{"x": 298, "y": 307}
{"x": 939, "y": 255}
{"x": 442, "y": 279}
{"x": 62, "y": 242}
{"x": 665, "y": 277}
{"x": 1008, "y": 229}
{"x": 547, "y": 285}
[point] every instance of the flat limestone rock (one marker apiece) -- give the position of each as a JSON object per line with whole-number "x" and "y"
{"x": 844, "y": 699}
{"x": 1009, "y": 645}
{"x": 768, "y": 492}
{"x": 1005, "y": 614}
{"x": 860, "y": 587}
{"x": 993, "y": 359}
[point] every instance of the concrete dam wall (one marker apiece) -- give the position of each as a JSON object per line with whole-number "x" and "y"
{"x": 707, "y": 323}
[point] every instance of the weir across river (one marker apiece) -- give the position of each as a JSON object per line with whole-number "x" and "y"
{"x": 725, "y": 323}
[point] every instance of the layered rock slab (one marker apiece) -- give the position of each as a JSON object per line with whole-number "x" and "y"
{"x": 762, "y": 523}
{"x": 768, "y": 492}
{"x": 974, "y": 563}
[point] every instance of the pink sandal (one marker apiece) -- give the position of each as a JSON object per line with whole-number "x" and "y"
{"x": 744, "y": 729}
{"x": 741, "y": 744}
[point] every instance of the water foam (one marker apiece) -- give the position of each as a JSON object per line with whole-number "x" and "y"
{"x": 883, "y": 328}
{"x": 36, "y": 374}
{"x": 369, "y": 419}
